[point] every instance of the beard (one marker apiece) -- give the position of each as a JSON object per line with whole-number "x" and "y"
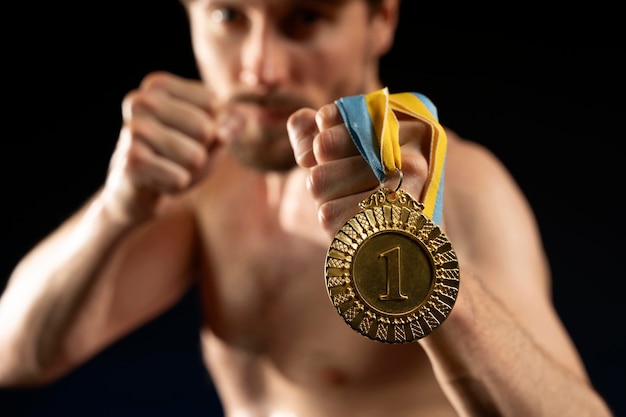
{"x": 264, "y": 149}
{"x": 265, "y": 146}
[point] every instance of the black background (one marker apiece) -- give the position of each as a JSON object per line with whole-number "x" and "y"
{"x": 545, "y": 93}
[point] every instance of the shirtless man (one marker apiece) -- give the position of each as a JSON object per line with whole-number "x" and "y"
{"x": 208, "y": 187}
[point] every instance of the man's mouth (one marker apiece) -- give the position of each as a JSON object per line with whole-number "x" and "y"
{"x": 267, "y": 109}
{"x": 271, "y": 115}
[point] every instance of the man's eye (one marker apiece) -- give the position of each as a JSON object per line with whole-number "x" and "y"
{"x": 224, "y": 15}
{"x": 302, "y": 24}
{"x": 306, "y": 17}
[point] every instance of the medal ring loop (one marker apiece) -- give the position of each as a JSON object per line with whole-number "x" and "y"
{"x": 399, "y": 171}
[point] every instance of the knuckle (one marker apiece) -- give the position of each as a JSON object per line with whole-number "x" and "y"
{"x": 177, "y": 183}
{"x": 128, "y": 103}
{"x": 327, "y": 215}
{"x": 324, "y": 145}
{"x": 135, "y": 157}
{"x": 197, "y": 158}
{"x": 157, "y": 80}
{"x": 299, "y": 117}
{"x": 301, "y": 123}
{"x": 136, "y": 102}
{"x": 327, "y": 116}
{"x": 139, "y": 129}
{"x": 317, "y": 181}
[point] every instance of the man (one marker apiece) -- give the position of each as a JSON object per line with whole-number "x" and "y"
{"x": 207, "y": 187}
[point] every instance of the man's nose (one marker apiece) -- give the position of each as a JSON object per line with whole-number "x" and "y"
{"x": 264, "y": 58}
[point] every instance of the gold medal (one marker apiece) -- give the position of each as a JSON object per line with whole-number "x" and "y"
{"x": 390, "y": 271}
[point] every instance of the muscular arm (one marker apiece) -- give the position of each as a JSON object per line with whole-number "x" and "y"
{"x": 488, "y": 365}
{"x": 126, "y": 255}
{"x": 47, "y": 287}
{"x": 503, "y": 350}
{"x": 84, "y": 286}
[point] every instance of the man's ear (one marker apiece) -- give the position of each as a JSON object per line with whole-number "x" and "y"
{"x": 384, "y": 24}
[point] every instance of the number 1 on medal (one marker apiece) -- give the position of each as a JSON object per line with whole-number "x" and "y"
{"x": 392, "y": 256}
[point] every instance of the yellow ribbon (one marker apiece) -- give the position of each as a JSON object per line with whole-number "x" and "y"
{"x": 382, "y": 108}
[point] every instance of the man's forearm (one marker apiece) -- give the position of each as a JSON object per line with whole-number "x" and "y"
{"x": 46, "y": 290}
{"x": 489, "y": 366}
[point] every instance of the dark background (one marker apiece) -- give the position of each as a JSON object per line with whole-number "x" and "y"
{"x": 544, "y": 93}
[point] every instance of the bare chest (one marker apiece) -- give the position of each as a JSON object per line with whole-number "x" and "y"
{"x": 265, "y": 282}
{"x": 274, "y": 331}
{"x": 265, "y": 296}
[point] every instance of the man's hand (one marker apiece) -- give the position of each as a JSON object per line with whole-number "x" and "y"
{"x": 339, "y": 176}
{"x": 168, "y": 133}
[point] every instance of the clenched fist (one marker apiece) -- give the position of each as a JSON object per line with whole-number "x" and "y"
{"x": 169, "y": 132}
{"x": 339, "y": 177}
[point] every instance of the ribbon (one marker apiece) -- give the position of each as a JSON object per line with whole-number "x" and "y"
{"x": 373, "y": 125}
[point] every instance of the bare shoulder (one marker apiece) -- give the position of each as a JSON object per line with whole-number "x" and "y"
{"x": 489, "y": 217}
{"x": 494, "y": 231}
{"x": 475, "y": 176}
{"x": 472, "y": 164}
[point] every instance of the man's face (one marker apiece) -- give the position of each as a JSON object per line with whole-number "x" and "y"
{"x": 265, "y": 59}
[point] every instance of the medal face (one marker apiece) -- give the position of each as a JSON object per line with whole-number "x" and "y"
{"x": 390, "y": 271}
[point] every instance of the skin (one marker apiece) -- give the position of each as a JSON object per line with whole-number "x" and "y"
{"x": 207, "y": 187}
